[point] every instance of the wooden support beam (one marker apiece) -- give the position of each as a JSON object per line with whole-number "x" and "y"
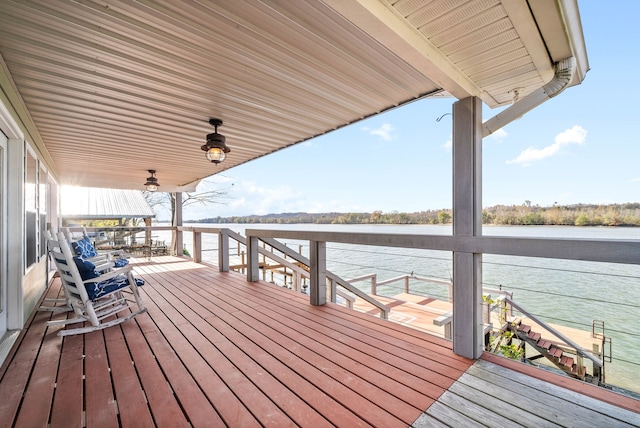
{"x": 467, "y": 222}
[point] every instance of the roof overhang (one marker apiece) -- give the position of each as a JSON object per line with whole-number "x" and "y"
{"x": 108, "y": 90}
{"x": 100, "y": 203}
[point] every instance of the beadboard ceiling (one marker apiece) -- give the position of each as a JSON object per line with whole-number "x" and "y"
{"x": 110, "y": 89}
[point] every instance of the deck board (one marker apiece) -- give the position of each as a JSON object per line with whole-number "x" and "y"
{"x": 163, "y": 404}
{"x": 493, "y": 395}
{"x": 214, "y": 350}
{"x": 100, "y": 406}
{"x": 16, "y": 376}
{"x": 193, "y": 400}
{"x": 130, "y": 397}
{"x": 39, "y": 392}
{"x": 229, "y": 374}
{"x": 231, "y": 411}
{"x": 67, "y": 403}
{"x": 296, "y": 331}
{"x": 270, "y": 362}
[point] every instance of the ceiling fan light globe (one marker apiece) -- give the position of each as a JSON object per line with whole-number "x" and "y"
{"x": 216, "y": 155}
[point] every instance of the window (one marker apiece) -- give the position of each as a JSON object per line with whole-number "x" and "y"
{"x": 31, "y": 208}
{"x": 43, "y": 196}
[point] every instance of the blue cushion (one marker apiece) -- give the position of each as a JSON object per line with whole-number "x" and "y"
{"x": 99, "y": 289}
{"x": 120, "y": 262}
{"x": 86, "y": 268}
{"x": 84, "y": 248}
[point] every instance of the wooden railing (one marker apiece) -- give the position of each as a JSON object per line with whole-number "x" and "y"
{"x": 467, "y": 304}
{"x": 299, "y": 267}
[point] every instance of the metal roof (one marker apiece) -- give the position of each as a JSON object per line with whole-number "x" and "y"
{"x": 109, "y": 89}
{"x": 99, "y": 203}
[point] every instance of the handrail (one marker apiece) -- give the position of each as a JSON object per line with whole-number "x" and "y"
{"x": 581, "y": 351}
{"x": 350, "y": 299}
{"x": 384, "y": 310}
{"x": 417, "y": 278}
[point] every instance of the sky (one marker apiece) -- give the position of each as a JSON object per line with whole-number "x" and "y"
{"x": 579, "y": 147}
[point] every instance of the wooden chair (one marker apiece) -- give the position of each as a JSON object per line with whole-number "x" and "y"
{"x": 95, "y": 297}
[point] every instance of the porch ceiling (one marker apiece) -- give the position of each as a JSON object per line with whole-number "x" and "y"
{"x": 110, "y": 89}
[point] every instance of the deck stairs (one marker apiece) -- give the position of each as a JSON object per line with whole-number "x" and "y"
{"x": 552, "y": 351}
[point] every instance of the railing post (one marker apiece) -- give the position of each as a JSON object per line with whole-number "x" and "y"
{"x": 197, "y": 246}
{"x": 486, "y": 309}
{"x": 318, "y": 272}
{"x": 223, "y": 250}
{"x": 295, "y": 281}
{"x": 253, "y": 262}
{"x": 406, "y": 284}
{"x": 333, "y": 290}
{"x": 374, "y": 284}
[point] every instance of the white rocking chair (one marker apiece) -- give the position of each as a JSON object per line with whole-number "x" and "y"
{"x": 92, "y": 295}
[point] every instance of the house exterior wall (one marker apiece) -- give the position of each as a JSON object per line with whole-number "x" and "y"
{"x": 29, "y": 203}
{"x": 34, "y": 283}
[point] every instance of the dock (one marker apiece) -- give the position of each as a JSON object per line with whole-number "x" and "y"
{"x": 434, "y": 316}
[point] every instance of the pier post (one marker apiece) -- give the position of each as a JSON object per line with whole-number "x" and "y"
{"x": 467, "y": 222}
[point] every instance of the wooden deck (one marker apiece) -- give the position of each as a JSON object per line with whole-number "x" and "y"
{"x": 214, "y": 350}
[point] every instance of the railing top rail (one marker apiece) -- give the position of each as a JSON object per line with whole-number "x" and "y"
{"x": 384, "y": 309}
{"x": 598, "y": 250}
{"x": 119, "y": 228}
{"x": 497, "y": 291}
{"x": 200, "y": 229}
{"x": 234, "y": 235}
{"x": 362, "y": 278}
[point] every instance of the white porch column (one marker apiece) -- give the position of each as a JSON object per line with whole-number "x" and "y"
{"x": 467, "y": 222}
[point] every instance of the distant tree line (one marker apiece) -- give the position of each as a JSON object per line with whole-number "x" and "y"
{"x": 525, "y": 214}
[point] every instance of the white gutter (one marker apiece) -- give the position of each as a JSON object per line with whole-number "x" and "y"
{"x": 564, "y": 71}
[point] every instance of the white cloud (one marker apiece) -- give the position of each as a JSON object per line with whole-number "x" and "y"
{"x": 633, "y": 180}
{"x": 448, "y": 145}
{"x": 384, "y": 131}
{"x": 575, "y": 135}
{"x": 253, "y": 198}
{"x": 250, "y": 197}
{"x": 498, "y": 136}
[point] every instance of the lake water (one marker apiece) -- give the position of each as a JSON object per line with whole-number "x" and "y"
{"x": 571, "y": 293}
